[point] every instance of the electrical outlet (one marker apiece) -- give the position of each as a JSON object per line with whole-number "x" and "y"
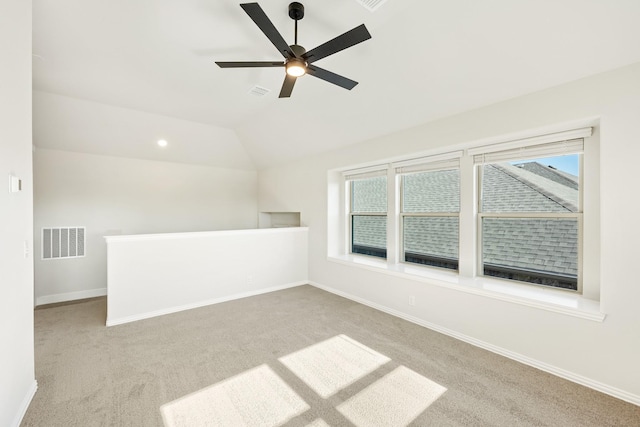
{"x": 412, "y": 300}
{"x": 249, "y": 279}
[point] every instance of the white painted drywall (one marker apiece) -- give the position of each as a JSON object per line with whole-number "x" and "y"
{"x": 604, "y": 355}
{"x": 17, "y": 378}
{"x": 113, "y": 195}
{"x": 71, "y": 124}
{"x": 151, "y": 275}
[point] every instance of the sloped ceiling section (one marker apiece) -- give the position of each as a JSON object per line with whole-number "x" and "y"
{"x": 64, "y": 123}
{"x": 426, "y": 60}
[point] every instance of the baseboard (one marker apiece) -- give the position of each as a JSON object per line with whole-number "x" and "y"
{"x": 25, "y": 404}
{"x": 559, "y": 372}
{"x": 71, "y": 296}
{"x": 148, "y": 315}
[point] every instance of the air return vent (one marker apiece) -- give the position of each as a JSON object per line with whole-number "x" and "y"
{"x": 63, "y": 242}
{"x": 371, "y": 5}
{"x": 259, "y": 91}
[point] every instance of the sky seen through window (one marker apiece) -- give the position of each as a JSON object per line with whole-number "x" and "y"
{"x": 568, "y": 163}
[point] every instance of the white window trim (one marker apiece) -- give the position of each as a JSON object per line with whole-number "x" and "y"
{"x": 533, "y": 141}
{"x": 585, "y": 305}
{"x": 553, "y": 300}
{"x": 354, "y": 175}
{"x": 518, "y": 152}
{"x": 535, "y": 215}
{"x": 447, "y": 161}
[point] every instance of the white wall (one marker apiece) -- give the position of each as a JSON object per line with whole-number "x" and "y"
{"x": 113, "y": 195}
{"x": 603, "y": 355}
{"x": 71, "y": 124}
{"x": 17, "y": 381}
{"x": 152, "y": 275}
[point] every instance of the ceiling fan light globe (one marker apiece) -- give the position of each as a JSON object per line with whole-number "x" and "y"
{"x": 296, "y": 69}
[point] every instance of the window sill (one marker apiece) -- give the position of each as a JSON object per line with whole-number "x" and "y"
{"x": 531, "y": 296}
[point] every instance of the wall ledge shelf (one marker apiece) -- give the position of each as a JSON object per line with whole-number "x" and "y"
{"x": 532, "y": 296}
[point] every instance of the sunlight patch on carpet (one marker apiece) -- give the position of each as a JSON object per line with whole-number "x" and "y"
{"x": 394, "y": 400}
{"x": 257, "y": 397}
{"x": 331, "y": 365}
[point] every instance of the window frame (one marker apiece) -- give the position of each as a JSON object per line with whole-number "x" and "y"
{"x": 350, "y": 179}
{"x": 427, "y": 167}
{"x": 469, "y": 277}
{"x": 531, "y": 215}
{"x": 351, "y": 215}
{"x": 578, "y": 216}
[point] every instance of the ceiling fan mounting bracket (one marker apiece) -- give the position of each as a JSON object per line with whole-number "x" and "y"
{"x": 296, "y": 11}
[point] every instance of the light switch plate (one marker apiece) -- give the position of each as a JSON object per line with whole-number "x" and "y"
{"x": 15, "y": 184}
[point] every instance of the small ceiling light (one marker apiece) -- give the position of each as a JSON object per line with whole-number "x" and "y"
{"x": 296, "y": 68}
{"x": 162, "y": 143}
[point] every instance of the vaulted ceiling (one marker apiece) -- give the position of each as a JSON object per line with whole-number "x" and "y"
{"x": 427, "y": 59}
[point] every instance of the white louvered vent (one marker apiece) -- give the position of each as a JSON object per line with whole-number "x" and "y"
{"x": 63, "y": 242}
{"x": 259, "y": 91}
{"x": 371, "y": 5}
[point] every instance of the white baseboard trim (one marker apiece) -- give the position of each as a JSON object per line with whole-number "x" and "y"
{"x": 562, "y": 373}
{"x": 169, "y": 310}
{"x": 25, "y": 404}
{"x": 71, "y": 296}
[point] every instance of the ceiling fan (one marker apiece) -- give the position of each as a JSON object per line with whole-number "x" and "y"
{"x": 298, "y": 61}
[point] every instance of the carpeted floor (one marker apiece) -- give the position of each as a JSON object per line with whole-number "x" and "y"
{"x": 299, "y": 357}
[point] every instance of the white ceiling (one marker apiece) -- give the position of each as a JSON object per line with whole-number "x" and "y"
{"x": 427, "y": 59}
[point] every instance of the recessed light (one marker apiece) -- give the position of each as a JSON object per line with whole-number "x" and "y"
{"x": 162, "y": 143}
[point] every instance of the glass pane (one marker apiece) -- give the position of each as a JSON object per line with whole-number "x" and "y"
{"x": 431, "y": 241}
{"x": 435, "y": 191}
{"x": 369, "y": 195}
{"x": 540, "y": 185}
{"x": 369, "y": 235}
{"x": 535, "y": 250}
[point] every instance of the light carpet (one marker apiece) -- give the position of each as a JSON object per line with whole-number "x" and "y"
{"x": 257, "y": 397}
{"x": 298, "y": 357}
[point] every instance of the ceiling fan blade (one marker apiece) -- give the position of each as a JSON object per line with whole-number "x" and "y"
{"x": 256, "y": 13}
{"x": 287, "y": 86}
{"x": 330, "y": 77}
{"x": 245, "y": 64}
{"x": 348, "y": 39}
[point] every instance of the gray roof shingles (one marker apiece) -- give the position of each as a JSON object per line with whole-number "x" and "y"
{"x": 531, "y": 243}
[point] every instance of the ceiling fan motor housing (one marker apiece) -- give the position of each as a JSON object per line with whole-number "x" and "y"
{"x": 298, "y": 50}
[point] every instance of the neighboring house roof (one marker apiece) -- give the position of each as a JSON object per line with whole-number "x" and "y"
{"x": 520, "y": 189}
{"x": 551, "y": 173}
{"x": 369, "y": 195}
{"x": 547, "y": 245}
{"x": 431, "y": 192}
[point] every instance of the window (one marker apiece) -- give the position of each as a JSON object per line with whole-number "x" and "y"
{"x": 513, "y": 211}
{"x": 529, "y": 215}
{"x": 368, "y": 214}
{"x": 430, "y": 207}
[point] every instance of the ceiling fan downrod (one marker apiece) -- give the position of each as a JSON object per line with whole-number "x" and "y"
{"x": 296, "y": 12}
